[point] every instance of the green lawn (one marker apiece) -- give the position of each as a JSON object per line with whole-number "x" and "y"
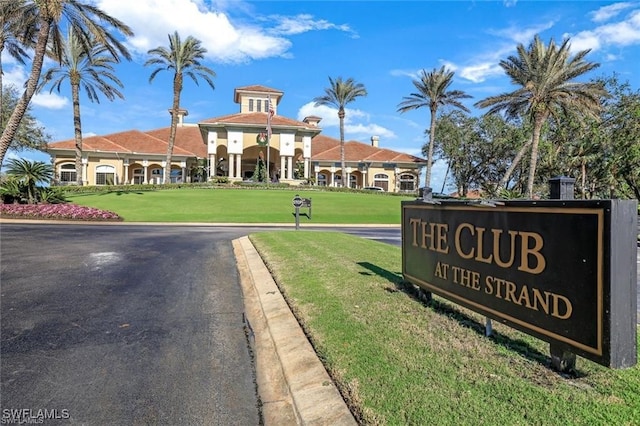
{"x": 398, "y": 361}
{"x": 245, "y": 206}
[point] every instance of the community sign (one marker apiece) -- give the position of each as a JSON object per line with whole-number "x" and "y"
{"x": 561, "y": 270}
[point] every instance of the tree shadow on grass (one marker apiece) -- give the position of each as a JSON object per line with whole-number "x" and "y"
{"x": 120, "y": 192}
{"x": 517, "y": 345}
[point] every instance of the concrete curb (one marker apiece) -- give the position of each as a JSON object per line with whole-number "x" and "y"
{"x": 293, "y": 385}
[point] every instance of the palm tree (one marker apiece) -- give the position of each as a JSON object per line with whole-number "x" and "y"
{"x": 338, "y": 95}
{"x": 16, "y": 35}
{"x": 545, "y": 74}
{"x": 30, "y": 173}
{"x": 433, "y": 92}
{"x": 184, "y": 59}
{"x": 87, "y": 19}
{"x": 91, "y": 70}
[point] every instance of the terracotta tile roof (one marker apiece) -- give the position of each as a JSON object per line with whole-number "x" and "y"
{"x": 188, "y": 138}
{"x": 257, "y": 118}
{"x": 325, "y": 148}
{"x": 131, "y": 141}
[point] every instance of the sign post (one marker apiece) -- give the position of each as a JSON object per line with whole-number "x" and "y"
{"x": 297, "y": 203}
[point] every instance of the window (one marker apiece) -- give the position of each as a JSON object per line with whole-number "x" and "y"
{"x": 250, "y": 105}
{"x": 407, "y": 182}
{"x": 68, "y": 174}
{"x": 381, "y": 180}
{"x": 259, "y": 102}
{"x": 176, "y": 176}
{"x": 322, "y": 179}
{"x": 105, "y": 175}
{"x": 138, "y": 176}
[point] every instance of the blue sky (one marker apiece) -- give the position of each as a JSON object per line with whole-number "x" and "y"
{"x": 294, "y": 46}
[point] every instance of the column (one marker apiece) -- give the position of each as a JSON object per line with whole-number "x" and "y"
{"x": 211, "y": 172}
{"x": 239, "y": 165}
{"x": 290, "y": 168}
{"x": 231, "y": 163}
{"x": 85, "y": 168}
{"x": 333, "y": 178}
{"x": 126, "y": 172}
{"x": 282, "y": 167}
{"x": 306, "y": 168}
{"x": 184, "y": 174}
{"x": 145, "y": 165}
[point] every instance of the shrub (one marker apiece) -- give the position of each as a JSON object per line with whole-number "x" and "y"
{"x": 56, "y": 211}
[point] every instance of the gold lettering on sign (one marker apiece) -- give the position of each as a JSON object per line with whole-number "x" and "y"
{"x": 550, "y": 303}
{"x": 534, "y": 251}
{"x": 469, "y": 242}
{"x": 432, "y": 236}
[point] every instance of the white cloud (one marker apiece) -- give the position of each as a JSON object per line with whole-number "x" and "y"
{"x": 487, "y": 64}
{"x": 226, "y": 41}
{"x": 290, "y": 25}
{"x": 522, "y": 35}
{"x": 607, "y": 12}
{"x": 49, "y": 100}
{"x": 480, "y": 72}
{"x": 358, "y": 131}
{"x": 356, "y": 122}
{"x": 620, "y": 34}
{"x": 404, "y": 73}
{"x": 509, "y": 3}
{"x": 15, "y": 76}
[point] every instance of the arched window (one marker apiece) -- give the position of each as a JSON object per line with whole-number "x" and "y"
{"x": 407, "y": 182}
{"x": 105, "y": 175}
{"x": 381, "y": 180}
{"x": 68, "y": 174}
{"x": 322, "y": 179}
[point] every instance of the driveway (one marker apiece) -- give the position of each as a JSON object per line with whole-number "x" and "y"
{"x": 135, "y": 325}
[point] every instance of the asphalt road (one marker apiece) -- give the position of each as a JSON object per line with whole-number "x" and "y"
{"x": 124, "y": 326}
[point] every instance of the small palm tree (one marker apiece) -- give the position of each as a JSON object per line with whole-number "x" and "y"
{"x": 338, "y": 95}
{"x": 545, "y": 75}
{"x": 433, "y": 92}
{"x": 92, "y": 70}
{"x": 30, "y": 173}
{"x": 86, "y": 18}
{"x": 184, "y": 59}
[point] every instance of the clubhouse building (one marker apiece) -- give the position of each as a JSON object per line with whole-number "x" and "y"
{"x": 231, "y": 145}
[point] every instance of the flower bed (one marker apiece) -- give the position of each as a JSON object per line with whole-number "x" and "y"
{"x": 56, "y": 212}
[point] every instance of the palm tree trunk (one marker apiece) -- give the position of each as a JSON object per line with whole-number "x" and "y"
{"x": 77, "y": 128}
{"x": 444, "y": 181}
{"x": 177, "y": 89}
{"x": 516, "y": 160}
{"x": 535, "y": 141}
{"x": 342, "y": 162}
{"x": 10, "y": 131}
{"x": 432, "y": 130}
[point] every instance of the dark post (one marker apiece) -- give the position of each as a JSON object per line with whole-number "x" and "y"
{"x": 561, "y": 188}
{"x": 297, "y": 203}
{"x": 425, "y": 193}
